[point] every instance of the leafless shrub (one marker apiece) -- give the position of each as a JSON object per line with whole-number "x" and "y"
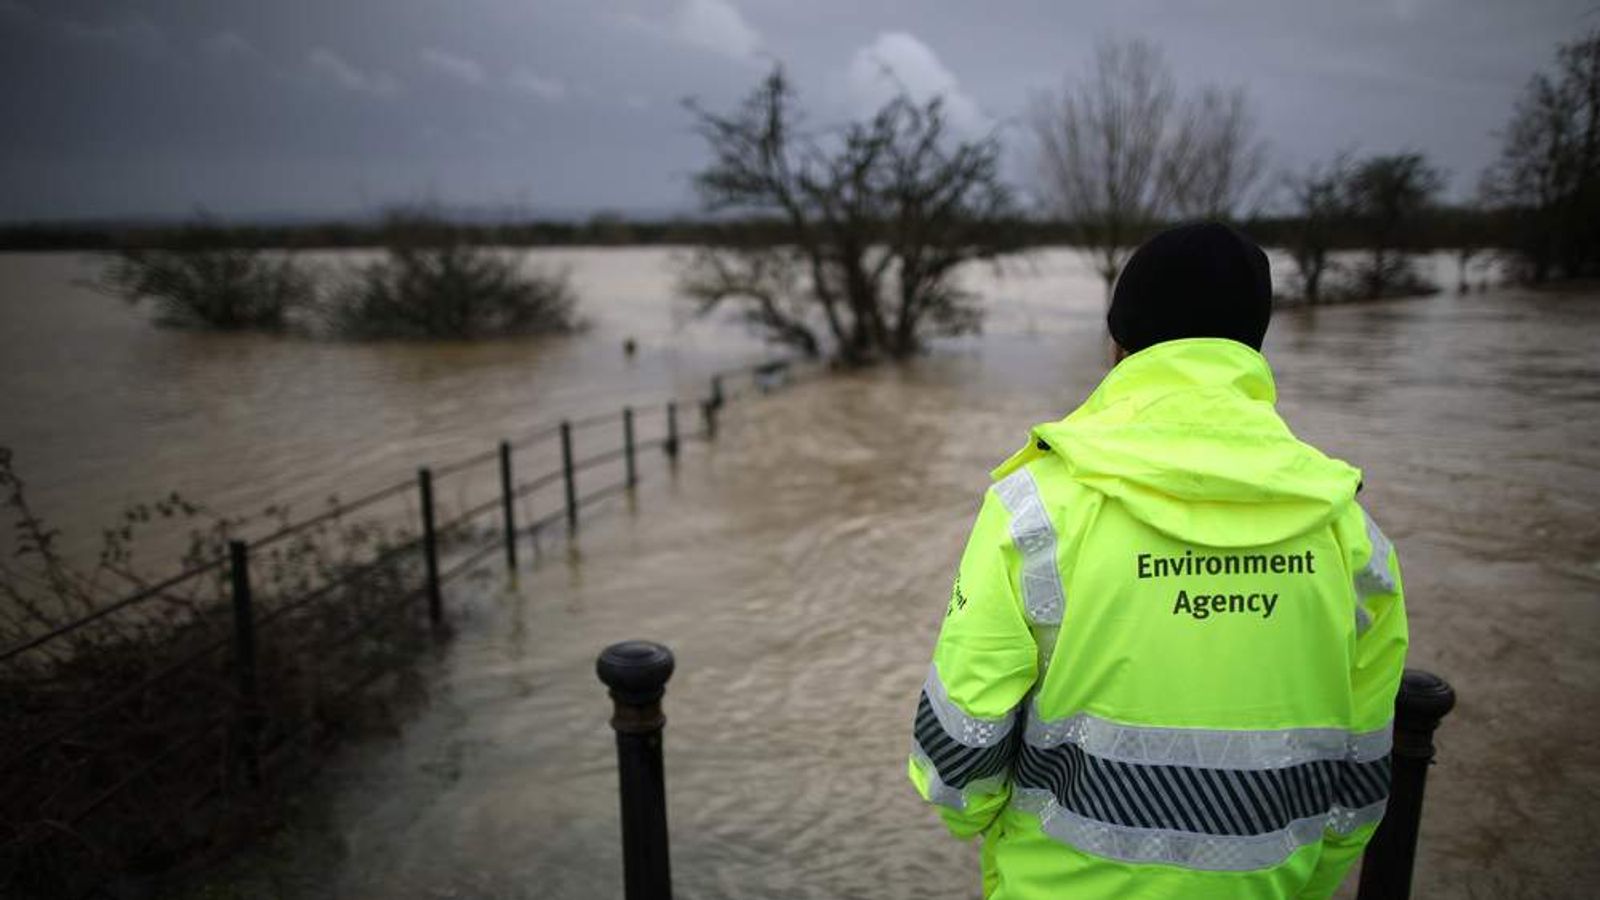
{"x": 1319, "y": 200}
{"x": 1389, "y": 195}
{"x": 119, "y": 739}
{"x": 198, "y": 278}
{"x": 433, "y": 283}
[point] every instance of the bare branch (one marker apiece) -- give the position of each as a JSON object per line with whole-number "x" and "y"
{"x": 1214, "y": 161}
{"x": 1099, "y": 144}
{"x": 876, "y": 216}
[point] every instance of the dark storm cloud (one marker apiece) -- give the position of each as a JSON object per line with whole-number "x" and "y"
{"x": 247, "y": 108}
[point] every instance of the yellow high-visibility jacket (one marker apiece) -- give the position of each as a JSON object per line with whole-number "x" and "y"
{"x": 1169, "y": 663}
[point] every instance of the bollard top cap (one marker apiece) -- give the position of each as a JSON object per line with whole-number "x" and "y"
{"x": 635, "y": 671}
{"x": 1425, "y": 694}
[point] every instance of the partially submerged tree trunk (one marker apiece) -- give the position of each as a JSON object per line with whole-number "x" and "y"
{"x": 1319, "y": 198}
{"x": 1388, "y": 197}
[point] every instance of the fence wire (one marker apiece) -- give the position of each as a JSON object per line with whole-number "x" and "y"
{"x": 236, "y": 704}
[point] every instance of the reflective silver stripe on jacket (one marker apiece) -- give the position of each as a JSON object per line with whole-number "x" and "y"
{"x": 1374, "y": 577}
{"x": 1207, "y": 799}
{"x": 1206, "y": 748}
{"x": 1233, "y": 853}
{"x": 1035, "y": 537}
{"x": 969, "y": 731}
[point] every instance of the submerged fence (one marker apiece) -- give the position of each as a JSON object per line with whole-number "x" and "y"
{"x": 116, "y": 738}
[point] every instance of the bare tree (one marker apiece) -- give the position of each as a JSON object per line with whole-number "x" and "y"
{"x": 434, "y": 282}
{"x": 857, "y": 233}
{"x": 1117, "y": 152}
{"x": 764, "y": 280}
{"x": 1099, "y": 145}
{"x": 1548, "y": 175}
{"x": 1214, "y": 161}
{"x": 1319, "y": 199}
{"x": 1388, "y": 195}
{"x": 1462, "y": 228}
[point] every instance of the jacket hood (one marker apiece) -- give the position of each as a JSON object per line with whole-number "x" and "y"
{"x": 1184, "y": 434}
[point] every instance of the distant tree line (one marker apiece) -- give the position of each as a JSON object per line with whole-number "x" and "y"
{"x": 1438, "y": 232}
{"x": 846, "y": 241}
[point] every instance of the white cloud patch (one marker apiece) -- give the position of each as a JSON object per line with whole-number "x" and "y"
{"x": 461, "y": 68}
{"x": 228, "y": 45}
{"x": 330, "y": 67}
{"x": 716, "y": 25}
{"x": 897, "y": 62}
{"x": 530, "y": 82}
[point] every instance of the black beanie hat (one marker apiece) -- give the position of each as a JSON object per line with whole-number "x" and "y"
{"x": 1201, "y": 280}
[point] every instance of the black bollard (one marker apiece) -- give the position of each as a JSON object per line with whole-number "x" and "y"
{"x": 671, "y": 443}
{"x": 1423, "y": 701}
{"x": 637, "y": 673}
{"x": 708, "y": 411}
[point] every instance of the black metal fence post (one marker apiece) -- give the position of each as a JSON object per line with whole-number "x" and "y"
{"x": 430, "y": 546}
{"x": 1424, "y": 700}
{"x": 637, "y": 673}
{"x": 708, "y": 409}
{"x": 507, "y": 507}
{"x": 569, "y": 475}
{"x": 244, "y": 662}
{"x": 671, "y": 443}
{"x": 627, "y": 445}
{"x": 716, "y": 391}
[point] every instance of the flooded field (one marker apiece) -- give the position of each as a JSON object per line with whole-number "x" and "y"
{"x": 799, "y": 567}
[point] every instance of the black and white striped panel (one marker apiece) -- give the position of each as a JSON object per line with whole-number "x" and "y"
{"x": 956, "y": 763}
{"x": 1199, "y": 800}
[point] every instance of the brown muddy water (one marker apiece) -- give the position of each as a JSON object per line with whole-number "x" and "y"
{"x": 799, "y": 565}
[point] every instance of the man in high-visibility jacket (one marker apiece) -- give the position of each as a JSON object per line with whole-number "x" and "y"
{"x": 1169, "y": 662}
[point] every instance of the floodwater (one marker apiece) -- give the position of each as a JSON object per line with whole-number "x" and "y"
{"x": 103, "y": 409}
{"x": 798, "y": 566}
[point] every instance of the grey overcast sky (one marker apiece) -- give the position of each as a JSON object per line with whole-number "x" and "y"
{"x": 564, "y": 107}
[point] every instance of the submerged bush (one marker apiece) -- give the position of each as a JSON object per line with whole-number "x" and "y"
{"x": 432, "y": 283}
{"x": 198, "y": 280}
